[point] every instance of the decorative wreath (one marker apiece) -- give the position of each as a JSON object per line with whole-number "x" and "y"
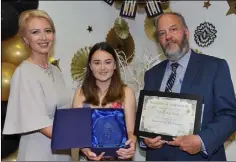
{"x": 79, "y": 63}
{"x": 150, "y": 28}
{"x": 205, "y": 34}
{"x": 121, "y": 28}
{"x": 124, "y": 47}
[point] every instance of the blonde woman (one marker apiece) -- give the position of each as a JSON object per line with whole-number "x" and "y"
{"x": 37, "y": 89}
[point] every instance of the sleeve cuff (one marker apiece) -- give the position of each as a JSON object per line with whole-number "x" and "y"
{"x": 203, "y": 148}
{"x": 142, "y": 144}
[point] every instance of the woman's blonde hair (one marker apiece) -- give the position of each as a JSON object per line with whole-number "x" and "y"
{"x": 28, "y": 14}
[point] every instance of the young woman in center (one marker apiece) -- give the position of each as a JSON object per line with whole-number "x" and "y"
{"x": 103, "y": 88}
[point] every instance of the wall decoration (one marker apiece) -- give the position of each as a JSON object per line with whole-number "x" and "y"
{"x": 79, "y": 63}
{"x": 118, "y": 4}
{"x": 153, "y": 8}
{"x": 205, "y": 34}
{"x": 121, "y": 28}
{"x": 141, "y": 4}
{"x": 133, "y": 75}
{"x": 125, "y": 45}
{"x": 90, "y": 29}
{"x": 232, "y": 7}
{"x": 128, "y": 9}
{"x": 167, "y": 10}
{"x": 110, "y": 2}
{"x": 150, "y": 28}
{"x": 165, "y": 4}
{"x": 206, "y": 4}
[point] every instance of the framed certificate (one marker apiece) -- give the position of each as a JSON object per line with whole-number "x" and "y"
{"x": 167, "y": 114}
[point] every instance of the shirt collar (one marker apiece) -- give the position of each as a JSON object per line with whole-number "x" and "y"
{"x": 183, "y": 61}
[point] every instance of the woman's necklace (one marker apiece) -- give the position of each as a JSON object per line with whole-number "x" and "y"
{"x": 48, "y": 69}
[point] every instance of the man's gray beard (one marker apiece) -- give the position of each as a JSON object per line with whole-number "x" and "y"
{"x": 182, "y": 50}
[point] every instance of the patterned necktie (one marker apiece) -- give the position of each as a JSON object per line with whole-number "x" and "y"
{"x": 172, "y": 77}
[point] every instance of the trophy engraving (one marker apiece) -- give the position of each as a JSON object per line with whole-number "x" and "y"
{"x": 108, "y": 132}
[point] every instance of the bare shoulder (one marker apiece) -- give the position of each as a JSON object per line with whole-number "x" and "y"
{"x": 129, "y": 100}
{"x": 128, "y": 92}
{"x": 78, "y": 98}
{"x": 78, "y": 92}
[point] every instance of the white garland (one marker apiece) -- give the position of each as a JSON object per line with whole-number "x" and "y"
{"x": 133, "y": 73}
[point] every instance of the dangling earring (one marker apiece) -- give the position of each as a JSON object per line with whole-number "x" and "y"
{"x": 26, "y": 45}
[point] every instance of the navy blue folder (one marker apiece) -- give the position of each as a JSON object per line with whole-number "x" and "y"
{"x": 83, "y": 127}
{"x": 69, "y": 127}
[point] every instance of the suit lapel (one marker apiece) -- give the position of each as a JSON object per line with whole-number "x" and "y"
{"x": 161, "y": 71}
{"x": 191, "y": 72}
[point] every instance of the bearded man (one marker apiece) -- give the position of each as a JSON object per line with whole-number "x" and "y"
{"x": 185, "y": 71}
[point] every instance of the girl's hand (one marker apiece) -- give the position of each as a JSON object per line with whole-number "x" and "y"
{"x": 91, "y": 155}
{"x": 126, "y": 153}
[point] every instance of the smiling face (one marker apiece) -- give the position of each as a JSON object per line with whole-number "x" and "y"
{"x": 102, "y": 66}
{"x": 173, "y": 36}
{"x": 39, "y": 35}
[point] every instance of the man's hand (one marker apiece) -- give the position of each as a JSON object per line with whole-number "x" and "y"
{"x": 189, "y": 143}
{"x": 154, "y": 142}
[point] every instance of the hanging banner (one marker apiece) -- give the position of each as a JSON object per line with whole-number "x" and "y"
{"x": 110, "y": 2}
{"x": 153, "y": 8}
{"x": 128, "y": 9}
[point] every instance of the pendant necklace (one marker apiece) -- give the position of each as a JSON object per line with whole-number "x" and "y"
{"x": 48, "y": 70}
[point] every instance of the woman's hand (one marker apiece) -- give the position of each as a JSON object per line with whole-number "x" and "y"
{"x": 91, "y": 155}
{"x": 124, "y": 153}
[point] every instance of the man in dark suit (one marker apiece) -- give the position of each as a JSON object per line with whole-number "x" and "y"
{"x": 185, "y": 71}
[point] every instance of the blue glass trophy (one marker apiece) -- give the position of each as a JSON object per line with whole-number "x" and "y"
{"x": 108, "y": 130}
{"x": 101, "y": 129}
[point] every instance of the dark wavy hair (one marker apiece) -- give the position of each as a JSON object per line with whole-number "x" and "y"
{"x": 89, "y": 88}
